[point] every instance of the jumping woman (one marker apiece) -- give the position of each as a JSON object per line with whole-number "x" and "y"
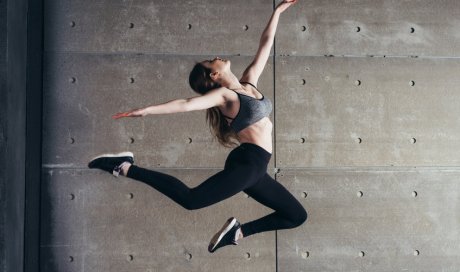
{"x": 246, "y": 110}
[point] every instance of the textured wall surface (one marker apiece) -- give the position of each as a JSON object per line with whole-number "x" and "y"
{"x": 3, "y": 128}
{"x": 366, "y": 129}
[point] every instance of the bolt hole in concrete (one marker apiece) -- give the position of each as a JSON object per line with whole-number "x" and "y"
{"x": 130, "y": 257}
{"x": 130, "y": 195}
{"x": 304, "y": 28}
{"x": 189, "y": 140}
{"x": 358, "y": 82}
{"x": 71, "y": 259}
{"x": 412, "y": 30}
{"x": 414, "y": 194}
{"x": 359, "y": 140}
{"x": 188, "y": 256}
{"x": 416, "y": 253}
{"x": 304, "y": 194}
{"x": 302, "y": 140}
{"x": 413, "y": 140}
{"x": 72, "y": 80}
{"x": 303, "y": 82}
{"x": 72, "y": 196}
{"x": 358, "y": 29}
{"x": 189, "y": 26}
{"x": 248, "y": 255}
{"x": 359, "y": 194}
{"x": 361, "y": 254}
{"x": 72, "y": 24}
{"x": 131, "y": 140}
{"x": 305, "y": 254}
{"x": 246, "y": 27}
{"x": 131, "y": 80}
{"x": 412, "y": 83}
{"x": 131, "y": 25}
{"x": 71, "y": 140}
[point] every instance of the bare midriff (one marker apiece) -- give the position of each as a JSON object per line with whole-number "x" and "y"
{"x": 259, "y": 133}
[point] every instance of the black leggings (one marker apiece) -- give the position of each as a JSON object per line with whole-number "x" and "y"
{"x": 245, "y": 170}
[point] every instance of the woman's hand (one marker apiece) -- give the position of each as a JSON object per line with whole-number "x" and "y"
{"x": 133, "y": 113}
{"x": 285, "y": 4}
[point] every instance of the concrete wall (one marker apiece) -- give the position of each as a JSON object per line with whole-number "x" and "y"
{"x": 365, "y": 131}
{"x": 2, "y": 130}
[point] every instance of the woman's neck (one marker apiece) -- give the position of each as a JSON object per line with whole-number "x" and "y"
{"x": 231, "y": 82}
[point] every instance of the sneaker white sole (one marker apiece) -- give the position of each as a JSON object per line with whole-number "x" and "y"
{"x": 121, "y": 154}
{"x": 218, "y": 236}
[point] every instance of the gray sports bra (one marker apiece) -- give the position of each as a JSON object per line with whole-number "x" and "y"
{"x": 251, "y": 110}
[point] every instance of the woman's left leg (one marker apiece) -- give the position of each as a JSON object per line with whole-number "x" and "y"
{"x": 289, "y": 213}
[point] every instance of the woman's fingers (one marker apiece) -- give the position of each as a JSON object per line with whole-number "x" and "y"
{"x": 285, "y": 4}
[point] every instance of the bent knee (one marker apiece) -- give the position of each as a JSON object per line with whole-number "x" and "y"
{"x": 300, "y": 218}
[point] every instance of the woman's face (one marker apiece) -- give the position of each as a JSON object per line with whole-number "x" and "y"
{"x": 217, "y": 64}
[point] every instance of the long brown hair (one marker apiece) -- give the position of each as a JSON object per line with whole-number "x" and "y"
{"x": 200, "y": 81}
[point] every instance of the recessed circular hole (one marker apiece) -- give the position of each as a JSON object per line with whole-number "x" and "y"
{"x": 72, "y": 80}
{"x": 72, "y": 24}
{"x": 412, "y": 30}
{"x": 359, "y": 194}
{"x": 71, "y": 196}
{"x": 414, "y": 194}
{"x": 131, "y": 80}
{"x": 307, "y": 68}
{"x": 304, "y": 28}
{"x": 71, "y": 140}
{"x": 361, "y": 254}
{"x": 359, "y": 140}
{"x": 416, "y": 252}
{"x": 303, "y": 82}
{"x": 304, "y": 194}
{"x": 357, "y": 82}
{"x": 189, "y": 140}
{"x": 411, "y": 83}
{"x": 71, "y": 259}
{"x": 305, "y": 254}
{"x": 130, "y": 257}
{"x": 131, "y": 25}
{"x": 248, "y": 255}
{"x": 188, "y": 256}
{"x": 302, "y": 140}
{"x": 131, "y": 140}
{"x": 130, "y": 195}
{"x": 413, "y": 140}
{"x": 189, "y": 26}
{"x": 245, "y": 27}
{"x": 358, "y": 29}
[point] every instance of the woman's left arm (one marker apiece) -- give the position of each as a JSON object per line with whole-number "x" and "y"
{"x": 254, "y": 70}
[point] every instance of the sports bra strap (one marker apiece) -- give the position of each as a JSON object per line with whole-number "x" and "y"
{"x": 250, "y": 84}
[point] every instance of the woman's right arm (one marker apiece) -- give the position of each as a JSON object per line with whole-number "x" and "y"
{"x": 254, "y": 70}
{"x": 211, "y": 99}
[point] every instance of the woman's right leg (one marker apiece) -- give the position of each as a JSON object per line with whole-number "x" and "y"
{"x": 289, "y": 212}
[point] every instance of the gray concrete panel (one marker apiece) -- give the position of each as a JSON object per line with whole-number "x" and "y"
{"x": 389, "y": 214}
{"x": 92, "y": 221}
{"x": 365, "y": 112}
{"x": 3, "y": 130}
{"x": 180, "y": 27}
{"x": 83, "y": 91}
{"x": 367, "y": 27}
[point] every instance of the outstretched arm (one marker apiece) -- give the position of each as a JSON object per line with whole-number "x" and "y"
{"x": 211, "y": 99}
{"x": 254, "y": 70}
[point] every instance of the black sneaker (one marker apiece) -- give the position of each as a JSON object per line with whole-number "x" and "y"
{"x": 226, "y": 236}
{"x": 111, "y": 163}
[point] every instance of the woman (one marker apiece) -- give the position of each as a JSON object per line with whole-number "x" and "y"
{"x": 236, "y": 109}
